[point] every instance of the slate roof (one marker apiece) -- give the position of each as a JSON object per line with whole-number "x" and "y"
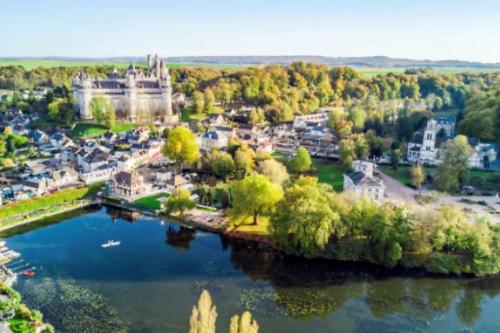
{"x": 359, "y": 178}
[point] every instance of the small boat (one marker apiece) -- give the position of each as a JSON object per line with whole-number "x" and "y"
{"x": 110, "y": 244}
{"x": 29, "y": 273}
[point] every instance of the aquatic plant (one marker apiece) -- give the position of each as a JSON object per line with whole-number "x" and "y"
{"x": 243, "y": 324}
{"x": 71, "y": 307}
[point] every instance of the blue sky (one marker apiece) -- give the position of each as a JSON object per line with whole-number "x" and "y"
{"x": 425, "y": 29}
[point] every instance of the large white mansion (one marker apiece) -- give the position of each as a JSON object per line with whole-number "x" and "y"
{"x": 140, "y": 96}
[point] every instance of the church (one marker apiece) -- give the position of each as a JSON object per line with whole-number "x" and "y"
{"x": 140, "y": 96}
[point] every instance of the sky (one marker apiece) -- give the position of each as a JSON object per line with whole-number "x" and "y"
{"x": 417, "y": 29}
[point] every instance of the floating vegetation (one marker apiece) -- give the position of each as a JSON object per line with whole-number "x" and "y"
{"x": 214, "y": 286}
{"x": 261, "y": 300}
{"x": 72, "y": 308}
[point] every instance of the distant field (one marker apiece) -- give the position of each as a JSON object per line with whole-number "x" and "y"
{"x": 91, "y": 130}
{"x": 34, "y": 63}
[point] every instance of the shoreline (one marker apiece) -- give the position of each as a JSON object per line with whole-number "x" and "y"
{"x": 264, "y": 240}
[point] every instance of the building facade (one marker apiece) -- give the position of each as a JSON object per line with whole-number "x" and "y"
{"x": 139, "y": 96}
{"x": 363, "y": 182}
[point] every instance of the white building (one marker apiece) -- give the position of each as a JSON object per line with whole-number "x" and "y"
{"x": 363, "y": 183}
{"x": 214, "y": 139}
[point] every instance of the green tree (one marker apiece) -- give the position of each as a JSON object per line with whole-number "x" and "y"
{"x": 304, "y": 218}
{"x": 243, "y": 324}
{"x": 203, "y": 315}
{"x": 111, "y": 117}
{"x": 453, "y": 172}
{"x": 395, "y": 156}
{"x": 301, "y": 162}
{"x": 222, "y": 165}
{"x": 274, "y": 171}
{"x": 198, "y": 102}
{"x": 209, "y": 100}
{"x": 53, "y": 110}
{"x": 244, "y": 161}
{"x": 347, "y": 153}
{"x": 181, "y": 146}
{"x": 417, "y": 177}
{"x": 99, "y": 106}
{"x": 179, "y": 202}
{"x": 253, "y": 196}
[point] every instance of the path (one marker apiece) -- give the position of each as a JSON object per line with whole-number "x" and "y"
{"x": 394, "y": 190}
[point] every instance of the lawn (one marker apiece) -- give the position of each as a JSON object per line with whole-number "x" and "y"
{"x": 188, "y": 115}
{"x": 151, "y": 202}
{"x": 402, "y": 174}
{"x": 330, "y": 173}
{"x": 46, "y": 201}
{"x": 88, "y": 130}
{"x": 261, "y": 228}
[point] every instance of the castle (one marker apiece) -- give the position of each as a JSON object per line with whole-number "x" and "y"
{"x": 140, "y": 96}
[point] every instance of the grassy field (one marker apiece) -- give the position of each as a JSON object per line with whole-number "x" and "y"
{"x": 188, "y": 115}
{"x": 151, "y": 202}
{"x": 330, "y": 173}
{"x": 261, "y": 228}
{"x": 88, "y": 130}
{"x": 57, "y": 198}
{"x": 372, "y": 71}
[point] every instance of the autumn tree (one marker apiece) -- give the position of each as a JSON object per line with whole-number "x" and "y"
{"x": 179, "y": 202}
{"x": 203, "y": 315}
{"x": 274, "y": 171}
{"x": 198, "y": 102}
{"x": 301, "y": 162}
{"x": 181, "y": 146}
{"x": 453, "y": 171}
{"x": 253, "y": 196}
{"x": 417, "y": 177}
{"x": 209, "y": 100}
{"x": 243, "y": 324}
{"x": 99, "y": 107}
{"x": 304, "y": 218}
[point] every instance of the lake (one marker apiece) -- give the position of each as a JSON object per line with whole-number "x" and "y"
{"x": 151, "y": 281}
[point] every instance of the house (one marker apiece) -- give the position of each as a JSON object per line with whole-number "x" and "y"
{"x": 92, "y": 160}
{"x": 300, "y": 122}
{"x": 213, "y": 139}
{"x": 214, "y": 120}
{"x": 484, "y": 154}
{"x": 100, "y": 174}
{"x": 64, "y": 177}
{"x": 38, "y": 186}
{"x": 126, "y": 184}
{"x": 363, "y": 182}
{"x": 61, "y": 141}
{"x": 39, "y": 137}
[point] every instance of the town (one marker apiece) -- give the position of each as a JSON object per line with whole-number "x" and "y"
{"x": 301, "y": 159}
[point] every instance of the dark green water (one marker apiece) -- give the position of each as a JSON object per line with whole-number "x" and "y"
{"x": 150, "y": 282}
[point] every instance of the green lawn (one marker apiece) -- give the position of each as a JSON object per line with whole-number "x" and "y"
{"x": 91, "y": 130}
{"x": 188, "y": 115}
{"x": 402, "y": 174}
{"x": 330, "y": 173}
{"x": 46, "y": 201}
{"x": 151, "y": 202}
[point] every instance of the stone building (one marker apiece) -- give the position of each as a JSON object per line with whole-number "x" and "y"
{"x": 363, "y": 182}
{"x": 139, "y": 96}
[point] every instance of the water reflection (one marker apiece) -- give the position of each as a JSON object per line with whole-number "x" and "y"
{"x": 180, "y": 237}
{"x": 307, "y": 289}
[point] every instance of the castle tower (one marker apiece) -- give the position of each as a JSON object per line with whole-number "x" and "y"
{"x": 84, "y": 97}
{"x": 149, "y": 61}
{"x": 158, "y": 66}
{"x": 131, "y": 93}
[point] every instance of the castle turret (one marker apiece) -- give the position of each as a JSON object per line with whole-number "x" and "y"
{"x": 149, "y": 61}
{"x": 131, "y": 93}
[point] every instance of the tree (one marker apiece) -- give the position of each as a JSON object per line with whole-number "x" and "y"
{"x": 53, "y": 110}
{"x": 243, "y": 324}
{"x": 203, "y": 315}
{"x": 198, "y": 102}
{"x": 346, "y": 153}
{"x": 301, "y": 162}
{"x": 304, "y": 218}
{"x": 99, "y": 106}
{"x": 111, "y": 117}
{"x": 453, "y": 172}
{"x": 395, "y": 156}
{"x": 361, "y": 148}
{"x": 181, "y": 146}
{"x": 253, "y": 196}
{"x": 209, "y": 100}
{"x": 244, "y": 161}
{"x": 274, "y": 171}
{"x": 8, "y": 163}
{"x": 417, "y": 177}
{"x": 179, "y": 202}
{"x": 222, "y": 165}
